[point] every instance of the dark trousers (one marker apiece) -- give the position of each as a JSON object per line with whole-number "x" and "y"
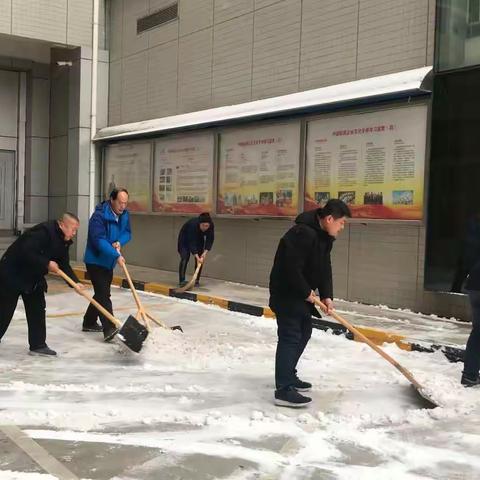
{"x": 461, "y": 273}
{"x": 472, "y": 352}
{"x": 294, "y": 322}
{"x": 34, "y": 303}
{"x": 182, "y": 268}
{"x": 101, "y": 279}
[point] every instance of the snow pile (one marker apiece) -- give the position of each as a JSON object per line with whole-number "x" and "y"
{"x": 208, "y": 392}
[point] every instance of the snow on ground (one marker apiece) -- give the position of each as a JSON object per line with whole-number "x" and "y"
{"x": 201, "y": 402}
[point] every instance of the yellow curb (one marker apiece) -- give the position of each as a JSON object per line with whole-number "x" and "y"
{"x": 157, "y": 288}
{"x": 404, "y": 346}
{"x": 267, "y": 312}
{"x": 79, "y": 273}
{"x": 377, "y": 336}
{"x": 220, "y": 302}
{"x": 380, "y": 334}
{"x": 117, "y": 281}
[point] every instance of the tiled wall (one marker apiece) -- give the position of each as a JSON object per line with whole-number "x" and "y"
{"x": 372, "y": 263}
{"x": 222, "y": 52}
{"x": 59, "y": 21}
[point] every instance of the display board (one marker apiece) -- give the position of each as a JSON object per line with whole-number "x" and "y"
{"x": 183, "y": 174}
{"x": 373, "y": 161}
{"x": 127, "y": 165}
{"x": 259, "y": 171}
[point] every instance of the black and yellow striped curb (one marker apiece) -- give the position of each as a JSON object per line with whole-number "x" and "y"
{"x": 379, "y": 337}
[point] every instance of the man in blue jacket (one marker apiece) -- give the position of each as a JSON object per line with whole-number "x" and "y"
{"x": 108, "y": 231}
{"x": 196, "y": 237}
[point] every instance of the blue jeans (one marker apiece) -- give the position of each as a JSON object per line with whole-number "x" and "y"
{"x": 472, "y": 353}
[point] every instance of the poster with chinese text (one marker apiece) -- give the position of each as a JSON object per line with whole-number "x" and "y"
{"x": 183, "y": 174}
{"x": 373, "y": 161}
{"x": 259, "y": 171}
{"x": 127, "y": 165}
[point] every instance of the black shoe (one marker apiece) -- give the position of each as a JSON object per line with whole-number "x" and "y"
{"x": 301, "y": 386}
{"x": 197, "y": 283}
{"x": 470, "y": 382}
{"x": 91, "y": 328}
{"x": 44, "y": 351}
{"x": 289, "y": 397}
{"x": 182, "y": 283}
{"x": 109, "y": 334}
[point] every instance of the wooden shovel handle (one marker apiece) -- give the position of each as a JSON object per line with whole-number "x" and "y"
{"x": 195, "y": 273}
{"x": 372, "y": 345}
{"x": 90, "y": 299}
{"x": 141, "y": 310}
{"x": 132, "y": 288}
{"x": 192, "y": 280}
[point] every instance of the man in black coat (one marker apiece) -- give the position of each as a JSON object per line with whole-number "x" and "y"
{"x": 38, "y": 251}
{"x": 302, "y": 265}
{"x": 471, "y": 364}
{"x": 196, "y": 237}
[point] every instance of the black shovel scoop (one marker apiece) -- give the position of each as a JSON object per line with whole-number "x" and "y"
{"x": 132, "y": 333}
{"x": 141, "y": 311}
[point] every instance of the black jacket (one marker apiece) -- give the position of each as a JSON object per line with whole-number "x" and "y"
{"x": 25, "y": 263}
{"x": 471, "y": 253}
{"x": 302, "y": 262}
{"x": 191, "y": 238}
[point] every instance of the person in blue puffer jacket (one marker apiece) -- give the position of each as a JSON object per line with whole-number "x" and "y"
{"x": 108, "y": 231}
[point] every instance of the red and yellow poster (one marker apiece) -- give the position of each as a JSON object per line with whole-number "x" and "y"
{"x": 127, "y": 165}
{"x": 183, "y": 174}
{"x": 259, "y": 171}
{"x": 373, "y": 161}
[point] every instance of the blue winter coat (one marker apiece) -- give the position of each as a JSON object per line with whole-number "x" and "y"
{"x": 103, "y": 230}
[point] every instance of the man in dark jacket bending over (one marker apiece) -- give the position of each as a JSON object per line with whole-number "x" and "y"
{"x": 302, "y": 265}
{"x": 196, "y": 237}
{"x": 42, "y": 249}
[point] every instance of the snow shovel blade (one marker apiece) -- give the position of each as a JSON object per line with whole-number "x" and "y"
{"x": 133, "y": 334}
{"x": 424, "y": 394}
{"x": 426, "y": 398}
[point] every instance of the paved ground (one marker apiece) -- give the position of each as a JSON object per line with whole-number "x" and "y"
{"x": 198, "y": 405}
{"x": 420, "y": 328}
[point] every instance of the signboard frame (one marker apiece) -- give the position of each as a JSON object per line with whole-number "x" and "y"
{"x": 209, "y": 132}
{"x": 104, "y": 180}
{"x": 299, "y": 123}
{"x": 391, "y": 106}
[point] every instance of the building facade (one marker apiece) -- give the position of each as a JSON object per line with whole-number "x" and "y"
{"x": 220, "y": 53}
{"x": 198, "y": 74}
{"x": 45, "y": 87}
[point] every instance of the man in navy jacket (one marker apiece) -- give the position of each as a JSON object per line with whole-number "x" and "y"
{"x": 108, "y": 231}
{"x": 196, "y": 237}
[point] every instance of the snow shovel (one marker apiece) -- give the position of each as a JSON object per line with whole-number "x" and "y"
{"x": 141, "y": 311}
{"x": 132, "y": 333}
{"x": 408, "y": 375}
{"x": 190, "y": 284}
